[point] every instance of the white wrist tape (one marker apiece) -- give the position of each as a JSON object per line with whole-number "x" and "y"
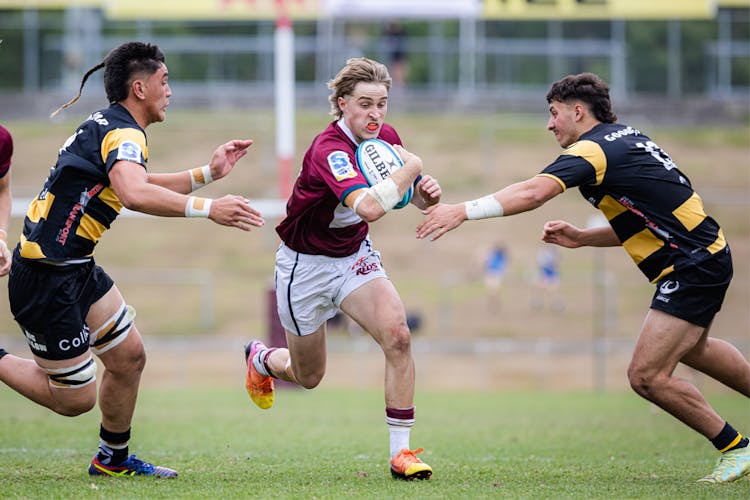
{"x": 197, "y": 207}
{"x": 360, "y": 198}
{"x": 200, "y": 176}
{"x": 385, "y": 193}
{"x": 483, "y": 208}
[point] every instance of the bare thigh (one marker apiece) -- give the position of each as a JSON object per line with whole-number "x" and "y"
{"x": 377, "y": 308}
{"x": 664, "y": 340}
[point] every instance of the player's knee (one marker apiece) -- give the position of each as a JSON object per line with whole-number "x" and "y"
{"x": 309, "y": 380}
{"x": 134, "y": 359}
{"x": 397, "y": 339}
{"x": 642, "y": 381}
{"x": 126, "y": 361}
{"x": 76, "y": 407}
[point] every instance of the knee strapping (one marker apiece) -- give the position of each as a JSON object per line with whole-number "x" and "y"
{"x": 113, "y": 331}
{"x": 73, "y": 377}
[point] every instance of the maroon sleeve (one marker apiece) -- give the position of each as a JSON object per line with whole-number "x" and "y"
{"x": 6, "y": 150}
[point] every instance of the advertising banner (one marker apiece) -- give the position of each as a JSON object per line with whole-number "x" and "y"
{"x": 572, "y": 10}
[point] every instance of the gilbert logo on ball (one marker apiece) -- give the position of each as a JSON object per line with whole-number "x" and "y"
{"x": 377, "y": 160}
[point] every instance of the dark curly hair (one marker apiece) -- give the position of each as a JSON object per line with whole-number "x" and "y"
{"x": 119, "y": 67}
{"x": 586, "y": 87}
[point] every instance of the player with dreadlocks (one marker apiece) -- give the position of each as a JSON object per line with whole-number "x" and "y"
{"x": 68, "y": 307}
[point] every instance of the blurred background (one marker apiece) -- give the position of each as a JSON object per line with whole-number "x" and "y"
{"x": 468, "y": 52}
{"x": 470, "y": 78}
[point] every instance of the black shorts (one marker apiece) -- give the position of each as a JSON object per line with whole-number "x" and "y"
{"x": 50, "y": 304}
{"x": 695, "y": 293}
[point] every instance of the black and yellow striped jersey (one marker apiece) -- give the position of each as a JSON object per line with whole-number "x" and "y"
{"x": 649, "y": 203}
{"x": 77, "y": 204}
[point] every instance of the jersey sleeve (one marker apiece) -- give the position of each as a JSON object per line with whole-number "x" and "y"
{"x": 124, "y": 144}
{"x": 583, "y": 163}
{"x": 6, "y": 151}
{"x": 336, "y": 168}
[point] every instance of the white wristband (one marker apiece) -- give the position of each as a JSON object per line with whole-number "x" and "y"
{"x": 197, "y": 207}
{"x": 483, "y": 208}
{"x": 200, "y": 176}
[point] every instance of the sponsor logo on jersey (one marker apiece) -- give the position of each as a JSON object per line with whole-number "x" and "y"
{"x": 622, "y": 133}
{"x": 340, "y": 166}
{"x": 78, "y": 209}
{"x": 129, "y": 151}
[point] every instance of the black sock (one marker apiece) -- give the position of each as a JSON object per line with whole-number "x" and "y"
{"x": 729, "y": 439}
{"x": 3, "y": 352}
{"x": 113, "y": 446}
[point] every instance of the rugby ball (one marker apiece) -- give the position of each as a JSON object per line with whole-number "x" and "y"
{"x": 377, "y": 160}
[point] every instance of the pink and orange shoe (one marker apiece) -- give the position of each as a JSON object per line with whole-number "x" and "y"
{"x": 259, "y": 387}
{"x": 405, "y": 465}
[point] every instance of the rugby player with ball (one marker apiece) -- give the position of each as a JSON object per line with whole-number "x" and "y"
{"x": 327, "y": 263}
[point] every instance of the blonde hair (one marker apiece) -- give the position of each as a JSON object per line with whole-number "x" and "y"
{"x": 358, "y": 69}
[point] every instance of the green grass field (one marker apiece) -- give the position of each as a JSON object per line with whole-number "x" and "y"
{"x": 333, "y": 444}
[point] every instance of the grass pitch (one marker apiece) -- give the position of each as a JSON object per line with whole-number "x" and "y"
{"x": 333, "y": 444}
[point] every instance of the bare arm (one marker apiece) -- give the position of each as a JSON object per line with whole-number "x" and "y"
{"x": 130, "y": 183}
{"x": 222, "y": 162}
{"x": 567, "y": 235}
{"x": 514, "y": 199}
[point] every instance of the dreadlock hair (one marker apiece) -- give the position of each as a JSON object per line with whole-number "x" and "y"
{"x": 357, "y": 69}
{"x": 120, "y": 65}
{"x": 586, "y": 87}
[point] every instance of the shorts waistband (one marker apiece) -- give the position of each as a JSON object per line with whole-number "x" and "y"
{"x": 312, "y": 258}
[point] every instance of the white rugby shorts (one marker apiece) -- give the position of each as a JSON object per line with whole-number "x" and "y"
{"x": 310, "y": 288}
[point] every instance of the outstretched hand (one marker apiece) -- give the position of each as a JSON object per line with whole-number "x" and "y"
{"x": 439, "y": 219}
{"x": 235, "y": 211}
{"x": 226, "y": 155}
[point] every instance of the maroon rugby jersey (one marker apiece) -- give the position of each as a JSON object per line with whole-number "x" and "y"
{"x": 6, "y": 150}
{"x": 317, "y": 222}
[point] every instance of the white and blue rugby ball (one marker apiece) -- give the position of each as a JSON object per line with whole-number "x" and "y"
{"x": 377, "y": 160}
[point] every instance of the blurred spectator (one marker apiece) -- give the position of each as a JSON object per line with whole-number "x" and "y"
{"x": 548, "y": 280}
{"x": 495, "y": 266}
{"x": 395, "y": 41}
